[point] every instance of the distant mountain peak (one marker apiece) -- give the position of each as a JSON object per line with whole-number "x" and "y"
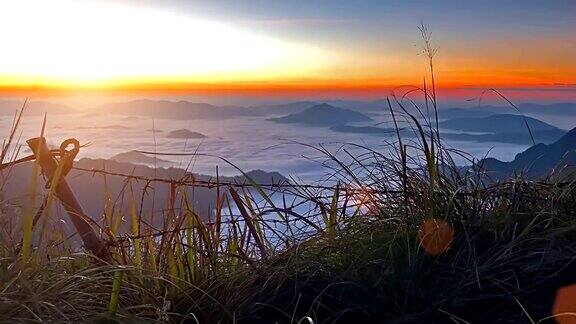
{"x": 185, "y": 134}
{"x": 323, "y": 115}
{"x": 136, "y": 158}
{"x": 323, "y": 106}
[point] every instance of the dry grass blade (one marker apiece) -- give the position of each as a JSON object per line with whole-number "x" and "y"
{"x": 248, "y": 220}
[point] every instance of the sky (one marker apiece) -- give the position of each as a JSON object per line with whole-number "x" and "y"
{"x": 267, "y": 48}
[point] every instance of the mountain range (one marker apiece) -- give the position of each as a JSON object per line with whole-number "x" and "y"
{"x": 322, "y": 115}
{"x": 197, "y": 110}
{"x": 538, "y": 161}
{"x": 91, "y": 188}
{"x": 559, "y": 109}
{"x": 503, "y": 128}
{"x": 172, "y": 109}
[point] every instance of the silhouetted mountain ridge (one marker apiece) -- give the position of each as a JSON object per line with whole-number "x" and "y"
{"x": 538, "y": 160}
{"x": 173, "y": 109}
{"x": 323, "y": 115}
{"x": 91, "y": 188}
{"x": 559, "y": 109}
{"x": 506, "y": 128}
{"x": 137, "y": 158}
{"x": 185, "y": 134}
{"x": 499, "y": 123}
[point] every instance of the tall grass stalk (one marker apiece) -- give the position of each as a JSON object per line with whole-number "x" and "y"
{"x": 115, "y": 293}
{"x": 28, "y": 218}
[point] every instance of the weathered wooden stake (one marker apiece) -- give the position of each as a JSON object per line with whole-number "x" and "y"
{"x": 66, "y": 196}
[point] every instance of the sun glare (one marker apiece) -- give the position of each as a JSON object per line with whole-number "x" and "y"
{"x": 90, "y": 44}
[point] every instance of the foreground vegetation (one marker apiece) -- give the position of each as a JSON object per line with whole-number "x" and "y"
{"x": 400, "y": 238}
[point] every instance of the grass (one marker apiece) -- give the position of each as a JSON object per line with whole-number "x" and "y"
{"x": 401, "y": 238}
{"x": 404, "y": 235}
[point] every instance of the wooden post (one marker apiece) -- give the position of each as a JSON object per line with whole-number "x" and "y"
{"x": 66, "y": 196}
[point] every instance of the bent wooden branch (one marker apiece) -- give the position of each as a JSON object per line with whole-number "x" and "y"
{"x": 66, "y": 196}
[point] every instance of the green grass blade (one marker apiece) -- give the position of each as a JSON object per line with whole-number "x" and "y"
{"x": 115, "y": 294}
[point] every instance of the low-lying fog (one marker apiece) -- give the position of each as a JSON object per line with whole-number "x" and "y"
{"x": 249, "y": 142}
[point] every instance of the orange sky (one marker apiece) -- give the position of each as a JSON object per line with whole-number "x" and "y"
{"x": 64, "y": 47}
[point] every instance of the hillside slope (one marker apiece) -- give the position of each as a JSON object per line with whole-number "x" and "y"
{"x": 539, "y": 160}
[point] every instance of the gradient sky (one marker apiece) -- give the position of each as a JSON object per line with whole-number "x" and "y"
{"x": 266, "y": 47}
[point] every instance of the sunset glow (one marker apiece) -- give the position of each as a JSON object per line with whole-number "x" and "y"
{"x": 122, "y": 46}
{"x": 89, "y": 44}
